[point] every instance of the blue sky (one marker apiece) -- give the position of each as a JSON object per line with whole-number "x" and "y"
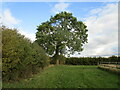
{"x": 97, "y": 15}
{"x": 32, "y": 14}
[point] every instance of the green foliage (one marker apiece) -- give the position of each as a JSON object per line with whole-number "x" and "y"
{"x": 63, "y": 33}
{"x": 20, "y": 57}
{"x": 89, "y": 60}
{"x": 39, "y": 55}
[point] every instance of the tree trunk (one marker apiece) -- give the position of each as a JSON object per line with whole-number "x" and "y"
{"x": 56, "y": 59}
{"x": 57, "y": 62}
{"x": 56, "y": 56}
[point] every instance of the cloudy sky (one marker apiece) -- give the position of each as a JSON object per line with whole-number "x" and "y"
{"x": 101, "y": 19}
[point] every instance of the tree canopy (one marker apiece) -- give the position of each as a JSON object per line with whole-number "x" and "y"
{"x": 62, "y": 34}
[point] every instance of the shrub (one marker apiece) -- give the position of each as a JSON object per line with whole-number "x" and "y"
{"x": 20, "y": 57}
{"x": 40, "y": 57}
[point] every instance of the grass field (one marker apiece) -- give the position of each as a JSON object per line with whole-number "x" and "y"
{"x": 69, "y": 77}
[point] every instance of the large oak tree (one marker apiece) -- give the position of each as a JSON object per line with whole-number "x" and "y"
{"x": 62, "y": 34}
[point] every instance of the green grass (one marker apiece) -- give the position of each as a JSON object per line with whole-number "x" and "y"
{"x": 69, "y": 77}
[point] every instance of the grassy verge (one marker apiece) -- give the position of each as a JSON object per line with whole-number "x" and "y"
{"x": 68, "y": 76}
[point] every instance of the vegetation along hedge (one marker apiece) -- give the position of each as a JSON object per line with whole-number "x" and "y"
{"x": 20, "y": 57}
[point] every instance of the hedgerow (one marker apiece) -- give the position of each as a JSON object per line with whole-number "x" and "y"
{"x": 20, "y": 57}
{"x": 90, "y": 60}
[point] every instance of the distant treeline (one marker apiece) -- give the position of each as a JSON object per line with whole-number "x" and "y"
{"x": 20, "y": 57}
{"x": 90, "y": 60}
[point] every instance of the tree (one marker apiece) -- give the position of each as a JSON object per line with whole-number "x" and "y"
{"x": 62, "y": 34}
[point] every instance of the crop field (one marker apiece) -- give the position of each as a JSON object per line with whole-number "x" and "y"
{"x": 111, "y": 68}
{"x": 69, "y": 76}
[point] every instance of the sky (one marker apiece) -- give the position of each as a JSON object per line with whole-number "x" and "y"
{"x": 101, "y": 19}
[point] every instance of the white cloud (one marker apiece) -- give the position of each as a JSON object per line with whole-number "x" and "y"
{"x": 8, "y": 19}
{"x": 102, "y": 32}
{"x": 60, "y": 7}
{"x": 29, "y": 35}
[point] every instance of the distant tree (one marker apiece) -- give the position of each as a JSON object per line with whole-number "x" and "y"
{"x": 113, "y": 58}
{"x": 62, "y": 34}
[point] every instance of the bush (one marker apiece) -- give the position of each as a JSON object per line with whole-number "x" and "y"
{"x": 39, "y": 55}
{"x": 20, "y": 57}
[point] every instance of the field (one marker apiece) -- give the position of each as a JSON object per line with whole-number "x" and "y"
{"x": 69, "y": 76}
{"x": 111, "y": 68}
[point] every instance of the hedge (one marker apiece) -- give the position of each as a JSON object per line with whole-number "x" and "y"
{"x": 90, "y": 60}
{"x": 20, "y": 57}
